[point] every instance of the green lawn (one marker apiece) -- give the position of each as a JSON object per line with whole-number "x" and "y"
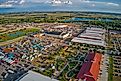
{"x": 110, "y": 70}
{"x": 16, "y": 34}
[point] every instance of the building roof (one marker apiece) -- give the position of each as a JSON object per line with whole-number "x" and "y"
{"x": 84, "y": 69}
{"x": 33, "y": 76}
{"x": 90, "y": 69}
{"x": 93, "y": 36}
{"x": 89, "y": 41}
{"x": 61, "y": 26}
{"x": 53, "y": 32}
{"x": 94, "y": 70}
{"x": 98, "y": 57}
{"x": 8, "y": 50}
{"x": 95, "y": 29}
{"x": 90, "y": 57}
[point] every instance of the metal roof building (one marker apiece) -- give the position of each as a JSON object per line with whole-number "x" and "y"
{"x": 93, "y": 36}
{"x": 90, "y": 68}
{"x": 33, "y": 76}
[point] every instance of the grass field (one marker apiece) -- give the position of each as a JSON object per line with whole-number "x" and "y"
{"x": 110, "y": 70}
{"x": 16, "y": 34}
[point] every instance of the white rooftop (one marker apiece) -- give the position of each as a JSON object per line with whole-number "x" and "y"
{"x": 94, "y": 28}
{"x": 33, "y": 76}
{"x": 92, "y": 31}
{"x": 94, "y": 36}
{"x": 89, "y": 41}
{"x": 91, "y": 36}
{"x": 61, "y": 26}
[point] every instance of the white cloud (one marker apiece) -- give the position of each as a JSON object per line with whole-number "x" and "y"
{"x": 93, "y": 3}
{"x": 37, "y": 0}
{"x": 114, "y": 4}
{"x": 6, "y": 5}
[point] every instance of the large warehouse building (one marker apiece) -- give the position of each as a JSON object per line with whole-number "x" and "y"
{"x": 93, "y": 36}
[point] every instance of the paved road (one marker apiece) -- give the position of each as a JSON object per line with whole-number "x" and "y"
{"x": 104, "y": 75}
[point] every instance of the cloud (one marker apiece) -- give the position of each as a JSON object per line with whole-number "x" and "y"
{"x": 94, "y": 3}
{"x": 6, "y": 5}
{"x": 114, "y": 4}
{"x": 37, "y": 0}
{"x": 91, "y": 2}
{"x": 88, "y": 3}
{"x": 13, "y": 2}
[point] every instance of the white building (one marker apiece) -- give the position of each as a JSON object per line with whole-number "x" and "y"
{"x": 33, "y": 76}
{"x": 94, "y": 36}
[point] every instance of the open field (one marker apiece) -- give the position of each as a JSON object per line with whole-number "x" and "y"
{"x": 16, "y": 34}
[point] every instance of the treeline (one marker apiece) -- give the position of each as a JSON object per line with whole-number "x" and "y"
{"x": 28, "y": 20}
{"x": 114, "y": 25}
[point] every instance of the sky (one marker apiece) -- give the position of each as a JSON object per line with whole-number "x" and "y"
{"x": 99, "y": 5}
{"x": 93, "y": 2}
{"x": 112, "y": 1}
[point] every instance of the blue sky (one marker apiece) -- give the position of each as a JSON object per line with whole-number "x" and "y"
{"x": 96, "y": 5}
{"x": 94, "y": 2}
{"x": 112, "y": 2}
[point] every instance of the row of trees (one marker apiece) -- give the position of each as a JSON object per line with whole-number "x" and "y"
{"x": 114, "y": 25}
{"x": 28, "y": 20}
